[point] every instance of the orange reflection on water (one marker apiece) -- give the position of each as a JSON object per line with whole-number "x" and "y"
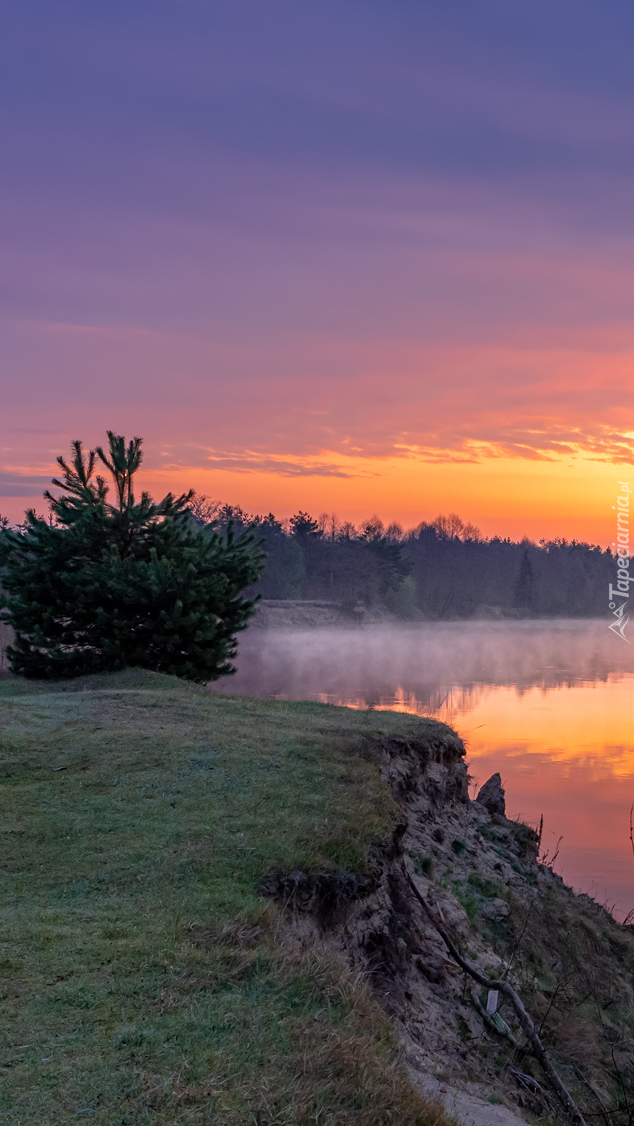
{"x": 566, "y": 752}
{"x": 548, "y": 705}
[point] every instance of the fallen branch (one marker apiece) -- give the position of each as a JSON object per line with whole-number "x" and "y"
{"x": 525, "y": 1020}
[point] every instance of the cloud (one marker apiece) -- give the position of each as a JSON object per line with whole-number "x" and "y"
{"x": 250, "y": 461}
{"x": 301, "y": 241}
{"x": 22, "y": 485}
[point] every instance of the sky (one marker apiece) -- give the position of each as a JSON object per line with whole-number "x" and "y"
{"x": 362, "y": 257}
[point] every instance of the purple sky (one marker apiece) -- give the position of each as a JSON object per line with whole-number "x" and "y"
{"x": 308, "y": 240}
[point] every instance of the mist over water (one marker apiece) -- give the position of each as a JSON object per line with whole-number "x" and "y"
{"x": 548, "y": 704}
{"x": 378, "y": 664}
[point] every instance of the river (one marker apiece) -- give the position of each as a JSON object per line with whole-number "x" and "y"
{"x": 550, "y": 705}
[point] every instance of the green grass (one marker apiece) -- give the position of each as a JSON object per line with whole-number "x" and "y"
{"x": 144, "y": 980}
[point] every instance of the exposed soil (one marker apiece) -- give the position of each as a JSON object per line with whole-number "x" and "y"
{"x": 510, "y": 916}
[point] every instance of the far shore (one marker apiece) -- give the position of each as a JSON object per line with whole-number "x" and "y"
{"x": 272, "y": 613}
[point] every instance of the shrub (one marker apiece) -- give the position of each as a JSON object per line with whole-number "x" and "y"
{"x": 101, "y": 586}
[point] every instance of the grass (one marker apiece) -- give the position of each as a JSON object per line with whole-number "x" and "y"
{"x": 144, "y": 979}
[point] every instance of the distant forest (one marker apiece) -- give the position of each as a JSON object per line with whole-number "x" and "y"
{"x": 441, "y": 569}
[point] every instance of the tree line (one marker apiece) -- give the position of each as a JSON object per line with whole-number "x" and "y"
{"x": 110, "y": 578}
{"x": 442, "y": 569}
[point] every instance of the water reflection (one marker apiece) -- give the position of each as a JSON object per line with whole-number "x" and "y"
{"x": 548, "y": 705}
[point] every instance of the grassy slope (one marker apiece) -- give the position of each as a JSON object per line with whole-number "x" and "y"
{"x": 143, "y": 978}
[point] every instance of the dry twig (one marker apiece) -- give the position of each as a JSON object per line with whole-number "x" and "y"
{"x": 525, "y": 1020}
{"x": 533, "y": 1087}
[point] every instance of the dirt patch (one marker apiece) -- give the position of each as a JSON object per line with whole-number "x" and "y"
{"x": 510, "y": 916}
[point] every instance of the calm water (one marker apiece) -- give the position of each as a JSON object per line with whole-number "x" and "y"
{"x": 551, "y": 706}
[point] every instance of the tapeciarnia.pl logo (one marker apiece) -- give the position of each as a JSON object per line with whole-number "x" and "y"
{"x": 622, "y": 555}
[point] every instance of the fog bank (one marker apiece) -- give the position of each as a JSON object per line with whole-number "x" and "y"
{"x": 378, "y": 663}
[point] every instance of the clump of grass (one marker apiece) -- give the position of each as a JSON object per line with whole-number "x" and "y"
{"x": 488, "y": 889}
{"x": 424, "y": 865}
{"x": 143, "y": 977}
{"x": 469, "y": 902}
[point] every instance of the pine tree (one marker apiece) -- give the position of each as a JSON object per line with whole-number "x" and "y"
{"x": 304, "y": 527}
{"x": 102, "y": 586}
{"x": 524, "y": 591}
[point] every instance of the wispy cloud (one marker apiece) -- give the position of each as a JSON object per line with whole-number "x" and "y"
{"x": 22, "y": 484}
{"x": 289, "y": 242}
{"x": 250, "y": 461}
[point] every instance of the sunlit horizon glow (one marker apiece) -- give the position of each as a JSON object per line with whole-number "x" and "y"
{"x": 498, "y": 495}
{"x": 356, "y": 259}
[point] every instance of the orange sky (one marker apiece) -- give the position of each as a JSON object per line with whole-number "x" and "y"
{"x": 502, "y": 496}
{"x": 520, "y": 441}
{"x": 516, "y": 497}
{"x": 356, "y": 265}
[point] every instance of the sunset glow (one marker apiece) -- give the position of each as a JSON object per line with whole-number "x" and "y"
{"x": 362, "y": 261}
